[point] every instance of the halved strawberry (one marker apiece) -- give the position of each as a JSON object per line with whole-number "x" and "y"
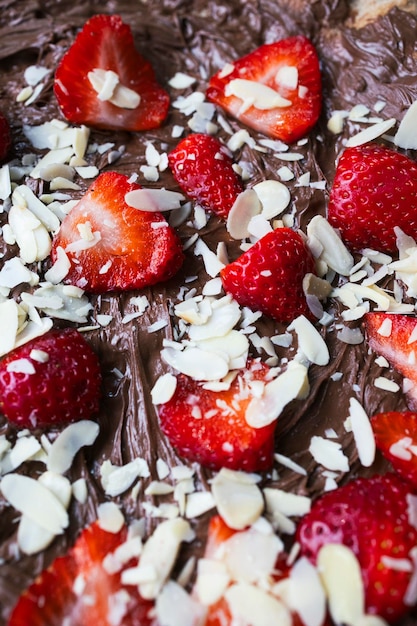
{"x": 290, "y": 69}
{"x": 5, "y": 137}
{"x": 204, "y": 170}
{"x": 375, "y": 189}
{"x": 393, "y": 336}
{"x": 210, "y": 426}
{"x": 269, "y": 276}
{"x": 53, "y": 379}
{"x": 112, "y": 246}
{"x": 76, "y": 589}
{"x": 106, "y": 43}
{"x": 396, "y": 437}
{"x": 370, "y": 516}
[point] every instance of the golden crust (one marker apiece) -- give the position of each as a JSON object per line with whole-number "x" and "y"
{"x": 365, "y": 11}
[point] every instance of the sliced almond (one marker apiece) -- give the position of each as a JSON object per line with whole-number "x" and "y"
{"x": 251, "y": 605}
{"x": 255, "y": 94}
{"x": 238, "y": 499}
{"x": 69, "y": 442}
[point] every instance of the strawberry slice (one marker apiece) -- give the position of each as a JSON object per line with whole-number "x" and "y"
{"x": 53, "y": 379}
{"x": 276, "y": 89}
{"x": 393, "y": 336}
{"x": 269, "y": 276}
{"x": 370, "y": 516}
{"x": 5, "y": 137}
{"x": 204, "y": 170}
{"x": 210, "y": 427}
{"x": 374, "y": 190}
{"x": 112, "y": 246}
{"x": 128, "y": 98}
{"x": 396, "y": 437}
{"x": 53, "y": 598}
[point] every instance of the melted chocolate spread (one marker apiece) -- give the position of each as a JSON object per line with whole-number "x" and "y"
{"x": 376, "y": 62}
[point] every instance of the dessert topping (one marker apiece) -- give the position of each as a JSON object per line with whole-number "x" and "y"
{"x": 121, "y": 91}
{"x": 248, "y": 90}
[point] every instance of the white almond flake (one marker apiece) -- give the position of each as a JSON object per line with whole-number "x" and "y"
{"x": 406, "y": 135}
{"x": 255, "y": 94}
{"x": 198, "y": 503}
{"x": 258, "y": 226}
{"x": 251, "y": 555}
{"x": 212, "y": 264}
{"x": 108, "y": 87}
{"x": 21, "y": 366}
{"x": 175, "y": 607}
{"x": 287, "y": 77}
{"x": 117, "y": 479}
{"x": 164, "y": 389}
{"x": 289, "y": 504}
{"x": 306, "y": 594}
{"x": 35, "y": 501}
{"x": 342, "y": 579}
{"x": 79, "y": 490}
{"x": 60, "y": 268}
{"x": 295, "y": 467}
{"x": 212, "y": 580}
{"x": 245, "y": 207}
{"x": 329, "y": 454}
{"x": 158, "y": 556}
{"x": 291, "y": 384}
{"x": 5, "y": 182}
{"x": 371, "y": 133}
{"x": 289, "y": 156}
{"x": 238, "y": 499}
{"x": 370, "y": 620}
{"x": 285, "y": 174}
{"x": 154, "y": 200}
{"x": 24, "y": 449}
{"x": 197, "y": 363}
{"x": 9, "y": 319}
{"x": 250, "y": 605}
{"x": 274, "y": 197}
{"x": 69, "y": 442}
{"x": 362, "y": 433}
{"x": 87, "y": 171}
{"x": 34, "y": 74}
{"x": 387, "y": 385}
{"x": 110, "y": 517}
{"x": 181, "y": 81}
{"x": 14, "y": 272}
{"x": 310, "y": 342}
{"x": 224, "y": 316}
{"x": 334, "y": 252}
{"x": 31, "y": 537}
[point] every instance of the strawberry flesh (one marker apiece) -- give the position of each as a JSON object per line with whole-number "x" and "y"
{"x": 394, "y": 344}
{"x": 392, "y": 428}
{"x": 107, "y": 43}
{"x": 221, "y": 437}
{"x": 269, "y": 276}
{"x": 52, "y": 598}
{"x": 263, "y": 65}
{"x": 64, "y": 388}
{"x": 369, "y": 516}
{"x": 374, "y": 190}
{"x": 134, "y": 248}
{"x": 204, "y": 170}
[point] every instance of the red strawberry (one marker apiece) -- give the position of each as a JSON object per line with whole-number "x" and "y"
{"x": 369, "y": 515}
{"x": 106, "y": 43}
{"x": 5, "y": 137}
{"x": 269, "y": 276}
{"x": 203, "y": 169}
{"x": 221, "y": 437}
{"x": 375, "y": 189}
{"x": 52, "y": 599}
{"x": 133, "y": 248}
{"x": 64, "y": 385}
{"x": 391, "y": 336}
{"x": 290, "y": 68}
{"x": 396, "y": 436}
